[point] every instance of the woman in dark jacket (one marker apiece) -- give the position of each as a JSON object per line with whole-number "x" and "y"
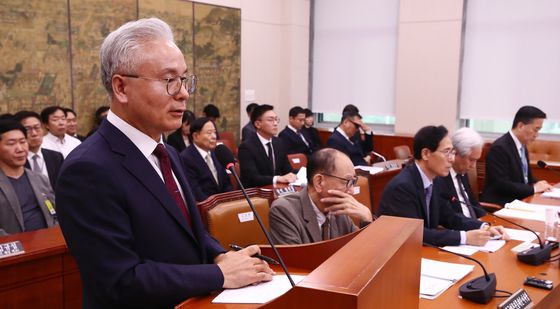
{"x": 181, "y": 138}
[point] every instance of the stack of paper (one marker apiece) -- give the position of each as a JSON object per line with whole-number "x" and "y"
{"x": 554, "y": 193}
{"x": 436, "y": 277}
{"x": 371, "y": 169}
{"x": 301, "y": 177}
{"x": 257, "y": 294}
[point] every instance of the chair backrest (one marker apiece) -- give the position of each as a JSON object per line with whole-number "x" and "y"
{"x": 230, "y": 220}
{"x": 228, "y": 144}
{"x": 297, "y": 160}
{"x": 364, "y": 195}
{"x": 229, "y": 136}
{"x": 402, "y": 152}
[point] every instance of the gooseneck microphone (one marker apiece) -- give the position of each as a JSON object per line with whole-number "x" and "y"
{"x": 226, "y": 158}
{"x": 545, "y": 166}
{"x": 533, "y": 256}
{"x": 479, "y": 290}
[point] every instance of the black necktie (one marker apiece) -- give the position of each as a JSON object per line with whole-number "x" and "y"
{"x": 465, "y": 197}
{"x": 271, "y": 157}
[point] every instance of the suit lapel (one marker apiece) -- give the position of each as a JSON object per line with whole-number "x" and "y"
{"x": 10, "y": 194}
{"x": 138, "y": 166}
{"x": 513, "y": 149}
{"x": 421, "y": 193}
{"x": 311, "y": 224}
{"x": 48, "y": 164}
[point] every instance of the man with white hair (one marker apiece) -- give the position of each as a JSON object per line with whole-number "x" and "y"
{"x": 468, "y": 145}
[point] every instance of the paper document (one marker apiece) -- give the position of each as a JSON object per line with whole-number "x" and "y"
{"x": 301, "y": 177}
{"x": 371, "y": 169}
{"x": 522, "y": 210}
{"x": 554, "y": 193}
{"x": 436, "y": 276}
{"x": 257, "y": 294}
{"x": 521, "y": 235}
{"x": 490, "y": 246}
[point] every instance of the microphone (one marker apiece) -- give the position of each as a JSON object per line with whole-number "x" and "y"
{"x": 545, "y": 166}
{"x": 226, "y": 158}
{"x": 533, "y": 256}
{"x": 379, "y": 156}
{"x": 479, "y": 290}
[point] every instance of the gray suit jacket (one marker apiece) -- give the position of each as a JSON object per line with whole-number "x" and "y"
{"x": 293, "y": 221}
{"x": 11, "y": 217}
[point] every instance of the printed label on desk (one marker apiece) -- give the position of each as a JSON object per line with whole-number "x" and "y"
{"x": 518, "y": 300}
{"x": 296, "y": 160}
{"x": 356, "y": 190}
{"x": 11, "y": 248}
{"x": 246, "y": 216}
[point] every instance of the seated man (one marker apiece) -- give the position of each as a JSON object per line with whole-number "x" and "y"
{"x": 508, "y": 174}
{"x": 468, "y": 145}
{"x": 248, "y": 129}
{"x": 262, "y": 157}
{"x": 416, "y": 192}
{"x": 323, "y": 210}
{"x": 341, "y": 138}
{"x": 205, "y": 174}
{"x": 54, "y": 120}
{"x": 40, "y": 160}
{"x": 292, "y": 136}
{"x": 309, "y": 131}
{"x": 26, "y": 199}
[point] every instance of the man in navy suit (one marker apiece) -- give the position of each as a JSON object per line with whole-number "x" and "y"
{"x": 468, "y": 145}
{"x": 416, "y": 193}
{"x": 125, "y": 208}
{"x": 292, "y": 136}
{"x": 341, "y": 139}
{"x": 205, "y": 174}
{"x": 40, "y": 160}
{"x": 508, "y": 173}
{"x": 262, "y": 157}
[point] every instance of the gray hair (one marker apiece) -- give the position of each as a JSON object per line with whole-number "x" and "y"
{"x": 119, "y": 51}
{"x": 465, "y": 140}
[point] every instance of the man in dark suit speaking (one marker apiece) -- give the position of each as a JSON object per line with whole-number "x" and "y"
{"x": 508, "y": 174}
{"x": 416, "y": 193}
{"x": 125, "y": 208}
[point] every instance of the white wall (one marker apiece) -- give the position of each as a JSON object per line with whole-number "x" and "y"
{"x": 274, "y": 52}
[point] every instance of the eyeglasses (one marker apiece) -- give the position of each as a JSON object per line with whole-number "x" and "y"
{"x": 271, "y": 119}
{"x": 449, "y": 153}
{"x": 357, "y": 125}
{"x": 349, "y": 182}
{"x": 173, "y": 84}
{"x": 36, "y": 128}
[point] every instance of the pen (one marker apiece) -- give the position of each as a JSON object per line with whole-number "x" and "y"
{"x": 258, "y": 256}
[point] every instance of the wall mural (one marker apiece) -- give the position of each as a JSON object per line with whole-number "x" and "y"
{"x": 50, "y": 52}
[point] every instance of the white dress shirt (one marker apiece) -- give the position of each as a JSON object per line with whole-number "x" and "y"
{"x": 64, "y": 145}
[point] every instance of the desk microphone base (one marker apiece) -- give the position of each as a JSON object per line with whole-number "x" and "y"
{"x": 479, "y": 290}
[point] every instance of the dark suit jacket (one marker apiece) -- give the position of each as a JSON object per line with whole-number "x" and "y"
{"x": 200, "y": 177}
{"x": 247, "y": 131}
{"x": 175, "y": 139}
{"x": 312, "y": 135}
{"x": 133, "y": 246}
{"x": 253, "y": 162}
{"x": 449, "y": 188}
{"x": 352, "y": 150}
{"x": 293, "y": 142}
{"x": 504, "y": 176}
{"x": 53, "y": 162}
{"x": 404, "y": 197}
{"x": 366, "y": 144}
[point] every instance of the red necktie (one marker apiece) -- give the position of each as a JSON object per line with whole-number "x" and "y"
{"x": 165, "y": 166}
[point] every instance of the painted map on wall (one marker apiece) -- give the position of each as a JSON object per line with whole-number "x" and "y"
{"x": 50, "y": 52}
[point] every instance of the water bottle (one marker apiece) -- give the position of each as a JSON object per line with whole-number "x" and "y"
{"x": 551, "y": 224}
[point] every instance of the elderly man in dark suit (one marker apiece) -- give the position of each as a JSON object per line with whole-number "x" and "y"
{"x": 468, "y": 145}
{"x": 325, "y": 208}
{"x": 508, "y": 174}
{"x": 262, "y": 157}
{"x": 125, "y": 208}
{"x": 26, "y": 198}
{"x": 205, "y": 174}
{"x": 40, "y": 160}
{"x": 416, "y": 193}
{"x": 342, "y": 138}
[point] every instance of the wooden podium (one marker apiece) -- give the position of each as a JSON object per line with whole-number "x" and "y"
{"x": 378, "y": 267}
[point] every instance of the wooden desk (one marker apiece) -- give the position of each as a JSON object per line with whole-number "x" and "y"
{"x": 552, "y": 174}
{"x": 45, "y": 276}
{"x": 377, "y": 182}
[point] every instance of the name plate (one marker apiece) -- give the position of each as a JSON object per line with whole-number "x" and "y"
{"x": 517, "y": 300}
{"x": 245, "y": 216}
{"x": 11, "y": 248}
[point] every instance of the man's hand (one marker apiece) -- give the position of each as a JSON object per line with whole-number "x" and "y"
{"x": 499, "y": 230}
{"x": 542, "y": 186}
{"x": 240, "y": 269}
{"x": 290, "y": 177}
{"x": 342, "y": 203}
{"x": 478, "y": 237}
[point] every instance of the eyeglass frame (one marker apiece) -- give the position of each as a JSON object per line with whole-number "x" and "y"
{"x": 36, "y": 128}
{"x": 183, "y": 79}
{"x": 350, "y": 183}
{"x": 451, "y": 153}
